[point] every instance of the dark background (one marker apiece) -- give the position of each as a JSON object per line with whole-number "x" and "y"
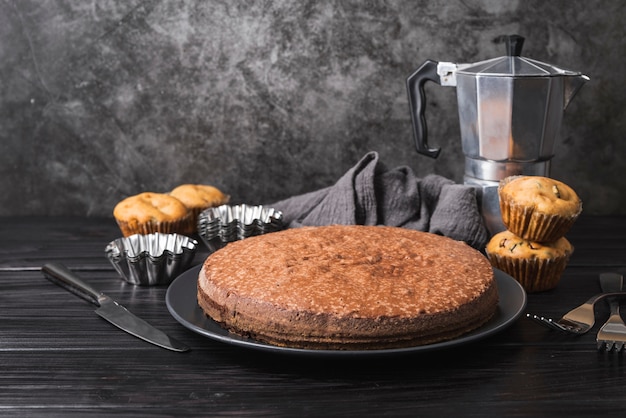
{"x": 267, "y": 99}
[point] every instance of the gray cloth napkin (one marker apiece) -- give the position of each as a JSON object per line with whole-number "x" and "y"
{"x": 371, "y": 194}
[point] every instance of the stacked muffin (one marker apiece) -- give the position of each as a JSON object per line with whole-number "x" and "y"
{"x": 173, "y": 212}
{"x": 537, "y": 212}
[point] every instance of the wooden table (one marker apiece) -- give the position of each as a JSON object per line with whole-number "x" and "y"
{"x": 58, "y": 358}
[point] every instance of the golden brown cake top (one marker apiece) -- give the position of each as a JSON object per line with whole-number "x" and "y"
{"x": 353, "y": 271}
{"x": 507, "y": 244}
{"x": 150, "y": 207}
{"x": 544, "y": 194}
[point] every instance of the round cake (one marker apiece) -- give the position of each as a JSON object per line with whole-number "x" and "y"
{"x": 348, "y": 287}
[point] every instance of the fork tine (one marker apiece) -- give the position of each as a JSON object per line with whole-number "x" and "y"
{"x": 571, "y": 327}
{"x": 547, "y": 322}
{"x": 613, "y": 332}
{"x": 609, "y": 346}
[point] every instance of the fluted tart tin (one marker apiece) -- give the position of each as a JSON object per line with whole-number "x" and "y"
{"x": 223, "y": 224}
{"x": 153, "y": 259}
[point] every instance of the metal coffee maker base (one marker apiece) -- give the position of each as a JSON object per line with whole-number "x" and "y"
{"x": 490, "y": 203}
{"x": 486, "y": 176}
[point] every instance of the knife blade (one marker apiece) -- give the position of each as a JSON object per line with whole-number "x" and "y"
{"x": 109, "y": 309}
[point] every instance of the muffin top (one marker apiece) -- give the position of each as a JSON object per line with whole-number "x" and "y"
{"x": 507, "y": 244}
{"x": 150, "y": 207}
{"x": 199, "y": 195}
{"x": 543, "y": 194}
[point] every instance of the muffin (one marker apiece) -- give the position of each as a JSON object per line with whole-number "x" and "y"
{"x": 198, "y": 197}
{"x": 538, "y": 208}
{"x": 536, "y": 266}
{"x": 148, "y": 212}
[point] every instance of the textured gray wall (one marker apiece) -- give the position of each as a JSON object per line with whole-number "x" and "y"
{"x": 266, "y": 99}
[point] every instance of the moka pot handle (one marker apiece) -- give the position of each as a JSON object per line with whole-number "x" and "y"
{"x": 417, "y": 103}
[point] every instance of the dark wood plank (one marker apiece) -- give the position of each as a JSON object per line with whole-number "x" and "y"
{"x": 58, "y": 358}
{"x": 27, "y": 243}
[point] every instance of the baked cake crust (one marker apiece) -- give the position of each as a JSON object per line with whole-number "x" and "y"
{"x": 348, "y": 287}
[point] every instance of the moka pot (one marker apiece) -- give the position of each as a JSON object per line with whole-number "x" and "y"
{"x": 510, "y": 113}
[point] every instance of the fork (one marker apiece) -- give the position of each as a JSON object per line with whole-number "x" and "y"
{"x": 579, "y": 320}
{"x": 612, "y": 335}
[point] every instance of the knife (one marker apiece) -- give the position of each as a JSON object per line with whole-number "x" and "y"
{"x": 109, "y": 309}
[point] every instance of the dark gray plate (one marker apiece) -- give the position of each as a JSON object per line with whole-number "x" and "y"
{"x": 181, "y": 300}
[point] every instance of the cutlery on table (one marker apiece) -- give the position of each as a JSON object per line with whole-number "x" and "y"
{"x": 612, "y": 335}
{"x": 579, "y": 320}
{"x": 109, "y": 309}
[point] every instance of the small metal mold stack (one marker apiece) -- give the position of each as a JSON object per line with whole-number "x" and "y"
{"x": 223, "y": 224}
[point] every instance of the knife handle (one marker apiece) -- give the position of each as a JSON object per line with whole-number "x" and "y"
{"x": 59, "y": 274}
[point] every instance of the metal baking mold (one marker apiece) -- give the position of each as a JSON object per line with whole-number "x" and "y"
{"x": 223, "y": 224}
{"x": 152, "y": 259}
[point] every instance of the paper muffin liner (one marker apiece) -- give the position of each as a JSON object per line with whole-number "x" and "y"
{"x": 529, "y": 224}
{"x": 190, "y": 227}
{"x": 223, "y": 224}
{"x": 533, "y": 226}
{"x": 195, "y": 216}
{"x": 194, "y": 213}
{"x": 184, "y": 225}
{"x": 151, "y": 259}
{"x": 534, "y": 274}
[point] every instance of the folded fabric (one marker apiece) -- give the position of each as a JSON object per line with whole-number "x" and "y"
{"x": 371, "y": 194}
